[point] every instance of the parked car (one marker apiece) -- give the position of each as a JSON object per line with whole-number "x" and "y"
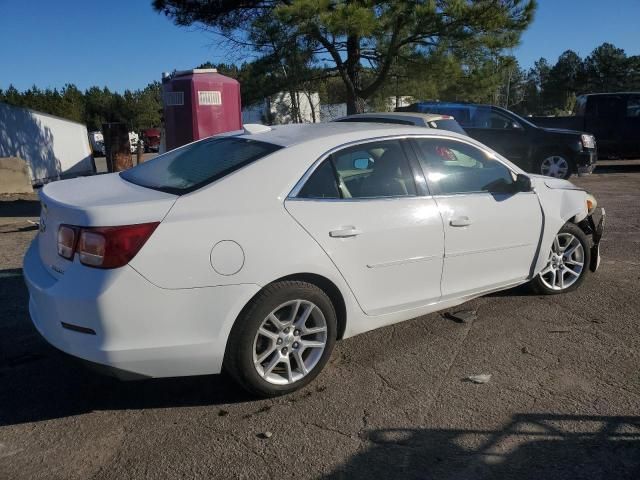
{"x": 443, "y": 122}
{"x": 614, "y": 119}
{"x": 256, "y": 252}
{"x": 552, "y": 152}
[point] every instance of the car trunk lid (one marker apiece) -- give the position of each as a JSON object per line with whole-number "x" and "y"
{"x": 99, "y": 201}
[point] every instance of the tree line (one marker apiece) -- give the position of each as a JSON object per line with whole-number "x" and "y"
{"x": 544, "y": 89}
{"x": 138, "y": 109}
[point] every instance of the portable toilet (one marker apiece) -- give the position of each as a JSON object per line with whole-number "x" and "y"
{"x": 197, "y": 104}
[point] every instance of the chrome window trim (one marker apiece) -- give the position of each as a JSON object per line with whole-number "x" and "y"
{"x": 293, "y": 194}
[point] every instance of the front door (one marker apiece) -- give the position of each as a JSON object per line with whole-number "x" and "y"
{"x": 363, "y": 207}
{"x": 491, "y": 233}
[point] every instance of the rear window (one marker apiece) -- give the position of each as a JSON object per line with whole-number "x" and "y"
{"x": 195, "y": 165}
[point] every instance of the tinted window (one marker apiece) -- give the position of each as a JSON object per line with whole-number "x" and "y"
{"x": 486, "y": 118}
{"x": 456, "y": 167}
{"x": 321, "y": 184}
{"x": 193, "y": 166}
{"x": 633, "y": 106}
{"x": 377, "y": 169}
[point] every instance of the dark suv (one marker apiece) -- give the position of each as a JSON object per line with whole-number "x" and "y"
{"x": 548, "y": 151}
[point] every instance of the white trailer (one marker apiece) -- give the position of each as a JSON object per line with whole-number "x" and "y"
{"x": 52, "y": 147}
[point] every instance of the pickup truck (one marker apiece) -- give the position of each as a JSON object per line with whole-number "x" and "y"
{"x": 614, "y": 119}
{"x": 552, "y": 152}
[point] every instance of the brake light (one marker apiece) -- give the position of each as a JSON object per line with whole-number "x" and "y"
{"x": 109, "y": 247}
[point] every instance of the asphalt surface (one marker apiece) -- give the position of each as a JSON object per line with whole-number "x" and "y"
{"x": 563, "y": 401}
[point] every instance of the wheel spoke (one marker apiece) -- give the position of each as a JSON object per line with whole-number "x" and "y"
{"x": 569, "y": 261}
{"x": 266, "y": 354}
{"x": 276, "y": 321}
{"x": 556, "y": 245}
{"x": 268, "y": 333}
{"x": 303, "y": 368}
{"x": 312, "y": 344}
{"x": 294, "y": 313}
{"x": 287, "y": 361}
{"x": 561, "y": 279}
{"x": 274, "y": 361}
{"x": 568, "y": 251}
{"x": 553, "y": 277}
{"x": 301, "y": 322}
{"x": 546, "y": 269}
{"x": 314, "y": 330}
{"x": 572, "y": 272}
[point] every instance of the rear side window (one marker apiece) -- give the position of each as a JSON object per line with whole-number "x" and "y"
{"x": 322, "y": 184}
{"x": 372, "y": 170}
{"x": 195, "y": 165}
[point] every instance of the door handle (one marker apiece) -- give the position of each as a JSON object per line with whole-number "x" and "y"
{"x": 345, "y": 232}
{"x": 460, "y": 221}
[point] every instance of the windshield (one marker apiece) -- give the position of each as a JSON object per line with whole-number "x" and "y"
{"x": 188, "y": 168}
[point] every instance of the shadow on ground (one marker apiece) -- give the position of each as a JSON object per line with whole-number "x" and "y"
{"x": 531, "y": 446}
{"x": 19, "y": 208}
{"x": 37, "y": 382}
{"x": 618, "y": 167}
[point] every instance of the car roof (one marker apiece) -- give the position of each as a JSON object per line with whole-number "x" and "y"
{"x": 427, "y": 117}
{"x": 296, "y": 133}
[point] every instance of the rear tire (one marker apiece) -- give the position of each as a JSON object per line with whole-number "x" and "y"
{"x": 282, "y": 339}
{"x": 567, "y": 265}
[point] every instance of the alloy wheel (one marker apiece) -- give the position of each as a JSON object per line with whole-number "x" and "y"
{"x": 555, "y": 166}
{"x": 566, "y": 262}
{"x": 290, "y": 341}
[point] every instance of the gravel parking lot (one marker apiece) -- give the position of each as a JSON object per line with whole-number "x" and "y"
{"x": 563, "y": 400}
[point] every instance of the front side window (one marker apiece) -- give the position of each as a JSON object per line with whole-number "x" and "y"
{"x": 190, "y": 167}
{"x": 454, "y": 167}
{"x": 377, "y": 169}
{"x": 486, "y": 118}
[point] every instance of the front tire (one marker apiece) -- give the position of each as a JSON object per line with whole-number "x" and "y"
{"x": 282, "y": 339}
{"x": 567, "y": 264}
{"x": 556, "y": 166}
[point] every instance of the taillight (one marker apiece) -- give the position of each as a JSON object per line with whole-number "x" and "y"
{"x": 67, "y": 238}
{"x": 110, "y": 247}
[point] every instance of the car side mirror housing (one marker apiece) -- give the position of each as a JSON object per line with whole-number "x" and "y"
{"x": 522, "y": 183}
{"x": 361, "y": 163}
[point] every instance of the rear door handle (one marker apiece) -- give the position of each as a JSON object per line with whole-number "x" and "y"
{"x": 345, "y": 232}
{"x": 460, "y": 221}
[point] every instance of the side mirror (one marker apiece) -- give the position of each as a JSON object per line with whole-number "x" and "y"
{"x": 361, "y": 163}
{"x": 522, "y": 183}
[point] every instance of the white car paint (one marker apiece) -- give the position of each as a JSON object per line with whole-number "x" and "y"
{"x": 170, "y": 310}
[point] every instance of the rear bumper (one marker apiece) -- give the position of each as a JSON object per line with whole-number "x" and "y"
{"x": 137, "y": 327}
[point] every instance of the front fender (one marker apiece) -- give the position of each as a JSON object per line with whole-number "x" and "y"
{"x": 559, "y": 206}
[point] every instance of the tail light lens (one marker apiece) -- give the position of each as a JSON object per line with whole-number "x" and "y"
{"x": 67, "y": 238}
{"x": 109, "y": 247}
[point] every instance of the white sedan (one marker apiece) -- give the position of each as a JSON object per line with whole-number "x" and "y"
{"x": 255, "y": 252}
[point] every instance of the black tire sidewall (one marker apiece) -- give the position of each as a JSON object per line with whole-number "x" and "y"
{"x": 537, "y": 284}
{"x": 239, "y": 352}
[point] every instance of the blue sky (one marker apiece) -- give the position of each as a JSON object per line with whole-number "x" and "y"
{"x": 125, "y": 44}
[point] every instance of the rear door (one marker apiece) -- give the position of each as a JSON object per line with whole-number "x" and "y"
{"x": 367, "y": 207}
{"x": 491, "y": 234}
